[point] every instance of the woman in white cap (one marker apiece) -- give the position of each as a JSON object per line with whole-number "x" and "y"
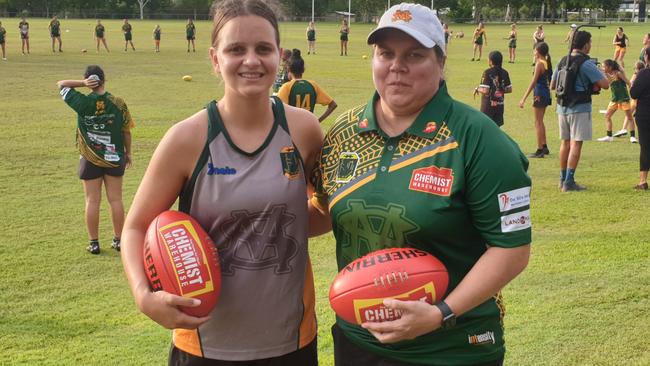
{"x": 416, "y": 168}
{"x": 570, "y": 34}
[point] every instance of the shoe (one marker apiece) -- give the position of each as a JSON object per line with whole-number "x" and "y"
{"x": 478, "y": 59}
{"x": 93, "y": 247}
{"x": 116, "y": 244}
{"x": 4, "y": 59}
{"x": 641, "y": 187}
{"x": 606, "y": 139}
{"x": 633, "y": 140}
{"x": 472, "y": 59}
{"x": 545, "y": 151}
{"x": 572, "y": 186}
{"x": 619, "y": 133}
{"x": 539, "y": 153}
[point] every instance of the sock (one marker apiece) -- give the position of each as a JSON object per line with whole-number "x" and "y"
{"x": 562, "y": 175}
{"x": 116, "y": 239}
{"x": 570, "y": 173}
{"x": 632, "y": 133}
{"x": 609, "y": 133}
{"x": 545, "y": 146}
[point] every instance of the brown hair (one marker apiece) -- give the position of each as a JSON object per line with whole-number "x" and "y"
{"x": 225, "y": 10}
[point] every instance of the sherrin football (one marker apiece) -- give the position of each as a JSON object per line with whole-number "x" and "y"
{"x": 181, "y": 258}
{"x": 358, "y": 291}
{"x": 187, "y": 78}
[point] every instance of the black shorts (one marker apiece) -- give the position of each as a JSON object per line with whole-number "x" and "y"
{"x": 496, "y": 114}
{"x": 540, "y": 101}
{"x": 347, "y": 353}
{"x": 88, "y": 170}
{"x": 306, "y": 356}
{"x": 55, "y": 35}
{"x": 190, "y": 38}
{"x": 128, "y": 37}
{"x": 24, "y": 35}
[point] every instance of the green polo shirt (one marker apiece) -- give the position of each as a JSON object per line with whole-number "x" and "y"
{"x": 451, "y": 184}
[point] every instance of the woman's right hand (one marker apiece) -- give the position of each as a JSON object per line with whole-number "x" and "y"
{"x": 521, "y": 103}
{"x": 163, "y": 308}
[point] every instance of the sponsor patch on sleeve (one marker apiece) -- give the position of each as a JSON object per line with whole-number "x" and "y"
{"x": 515, "y": 222}
{"x": 515, "y": 198}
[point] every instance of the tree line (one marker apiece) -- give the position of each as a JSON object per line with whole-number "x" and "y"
{"x": 453, "y": 10}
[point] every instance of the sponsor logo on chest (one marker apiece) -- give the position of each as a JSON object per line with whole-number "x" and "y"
{"x": 213, "y": 170}
{"x": 432, "y": 180}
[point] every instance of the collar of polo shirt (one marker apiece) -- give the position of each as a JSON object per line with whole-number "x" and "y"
{"x": 428, "y": 122}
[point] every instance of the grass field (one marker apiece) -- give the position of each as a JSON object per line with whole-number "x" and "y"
{"x": 583, "y": 300}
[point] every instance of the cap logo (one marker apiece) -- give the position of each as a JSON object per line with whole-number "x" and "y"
{"x": 403, "y": 15}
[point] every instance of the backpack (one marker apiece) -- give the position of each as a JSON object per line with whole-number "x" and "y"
{"x": 567, "y": 74}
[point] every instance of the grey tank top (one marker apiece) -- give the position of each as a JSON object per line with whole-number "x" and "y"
{"x": 254, "y": 206}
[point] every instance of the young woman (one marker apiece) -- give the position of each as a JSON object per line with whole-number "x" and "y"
{"x": 303, "y": 93}
{"x": 618, "y": 84}
{"x": 3, "y": 33}
{"x": 445, "y": 27}
{"x": 256, "y": 213}
{"x": 495, "y": 83}
{"x": 99, "y": 35}
{"x": 311, "y": 38}
{"x": 344, "y": 31}
{"x": 55, "y": 32}
{"x": 104, "y": 140}
{"x": 23, "y": 26}
{"x": 512, "y": 43}
{"x": 480, "y": 38}
{"x": 128, "y": 36}
{"x": 538, "y": 37}
{"x": 539, "y": 85}
{"x": 156, "y": 37}
{"x": 190, "y": 34}
{"x": 620, "y": 43}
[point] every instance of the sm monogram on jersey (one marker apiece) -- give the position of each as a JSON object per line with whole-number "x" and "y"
{"x": 213, "y": 170}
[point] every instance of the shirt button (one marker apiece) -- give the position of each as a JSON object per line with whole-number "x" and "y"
{"x": 390, "y": 147}
{"x": 383, "y": 169}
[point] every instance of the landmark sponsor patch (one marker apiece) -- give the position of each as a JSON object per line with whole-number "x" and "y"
{"x": 515, "y": 222}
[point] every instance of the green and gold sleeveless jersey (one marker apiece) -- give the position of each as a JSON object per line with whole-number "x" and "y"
{"x": 619, "y": 91}
{"x": 190, "y": 29}
{"x": 303, "y": 94}
{"x": 55, "y": 28}
{"x": 2, "y": 34}
{"x": 451, "y": 184}
{"x": 126, "y": 28}
{"x": 101, "y": 121}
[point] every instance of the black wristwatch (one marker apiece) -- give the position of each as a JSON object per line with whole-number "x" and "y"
{"x": 448, "y": 316}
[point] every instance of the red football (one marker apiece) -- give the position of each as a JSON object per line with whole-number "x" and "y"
{"x": 358, "y": 291}
{"x": 181, "y": 258}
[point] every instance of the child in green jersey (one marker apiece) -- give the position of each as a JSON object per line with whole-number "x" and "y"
{"x": 128, "y": 37}
{"x": 618, "y": 84}
{"x": 344, "y": 31}
{"x": 190, "y": 31}
{"x": 156, "y": 37}
{"x": 55, "y": 32}
{"x": 311, "y": 38}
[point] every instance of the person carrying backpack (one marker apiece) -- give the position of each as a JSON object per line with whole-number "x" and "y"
{"x": 495, "y": 83}
{"x": 574, "y": 81}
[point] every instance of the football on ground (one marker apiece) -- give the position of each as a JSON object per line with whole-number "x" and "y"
{"x": 181, "y": 258}
{"x": 408, "y": 274}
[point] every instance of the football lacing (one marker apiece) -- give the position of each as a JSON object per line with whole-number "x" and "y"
{"x": 392, "y": 278}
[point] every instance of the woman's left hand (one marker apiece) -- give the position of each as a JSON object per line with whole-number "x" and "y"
{"x": 418, "y": 318}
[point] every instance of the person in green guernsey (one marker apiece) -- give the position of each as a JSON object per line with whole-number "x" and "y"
{"x": 99, "y": 35}
{"x": 344, "y": 35}
{"x": 156, "y": 37}
{"x": 104, "y": 141}
{"x": 416, "y": 168}
{"x": 3, "y": 33}
{"x": 241, "y": 167}
{"x": 311, "y": 38}
{"x": 190, "y": 32}
{"x": 303, "y": 93}
{"x": 618, "y": 84}
{"x": 55, "y": 32}
{"x": 128, "y": 36}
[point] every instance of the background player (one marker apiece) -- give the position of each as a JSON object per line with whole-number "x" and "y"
{"x": 99, "y": 35}
{"x": 104, "y": 140}
{"x": 157, "y": 32}
{"x": 304, "y": 93}
{"x": 55, "y": 32}
{"x": 190, "y": 32}
{"x": 128, "y": 37}
{"x": 23, "y": 26}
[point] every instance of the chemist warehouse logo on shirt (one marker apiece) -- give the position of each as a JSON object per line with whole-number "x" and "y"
{"x": 432, "y": 180}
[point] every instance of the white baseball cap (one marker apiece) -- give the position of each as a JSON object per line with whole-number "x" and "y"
{"x": 574, "y": 26}
{"x": 415, "y": 20}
